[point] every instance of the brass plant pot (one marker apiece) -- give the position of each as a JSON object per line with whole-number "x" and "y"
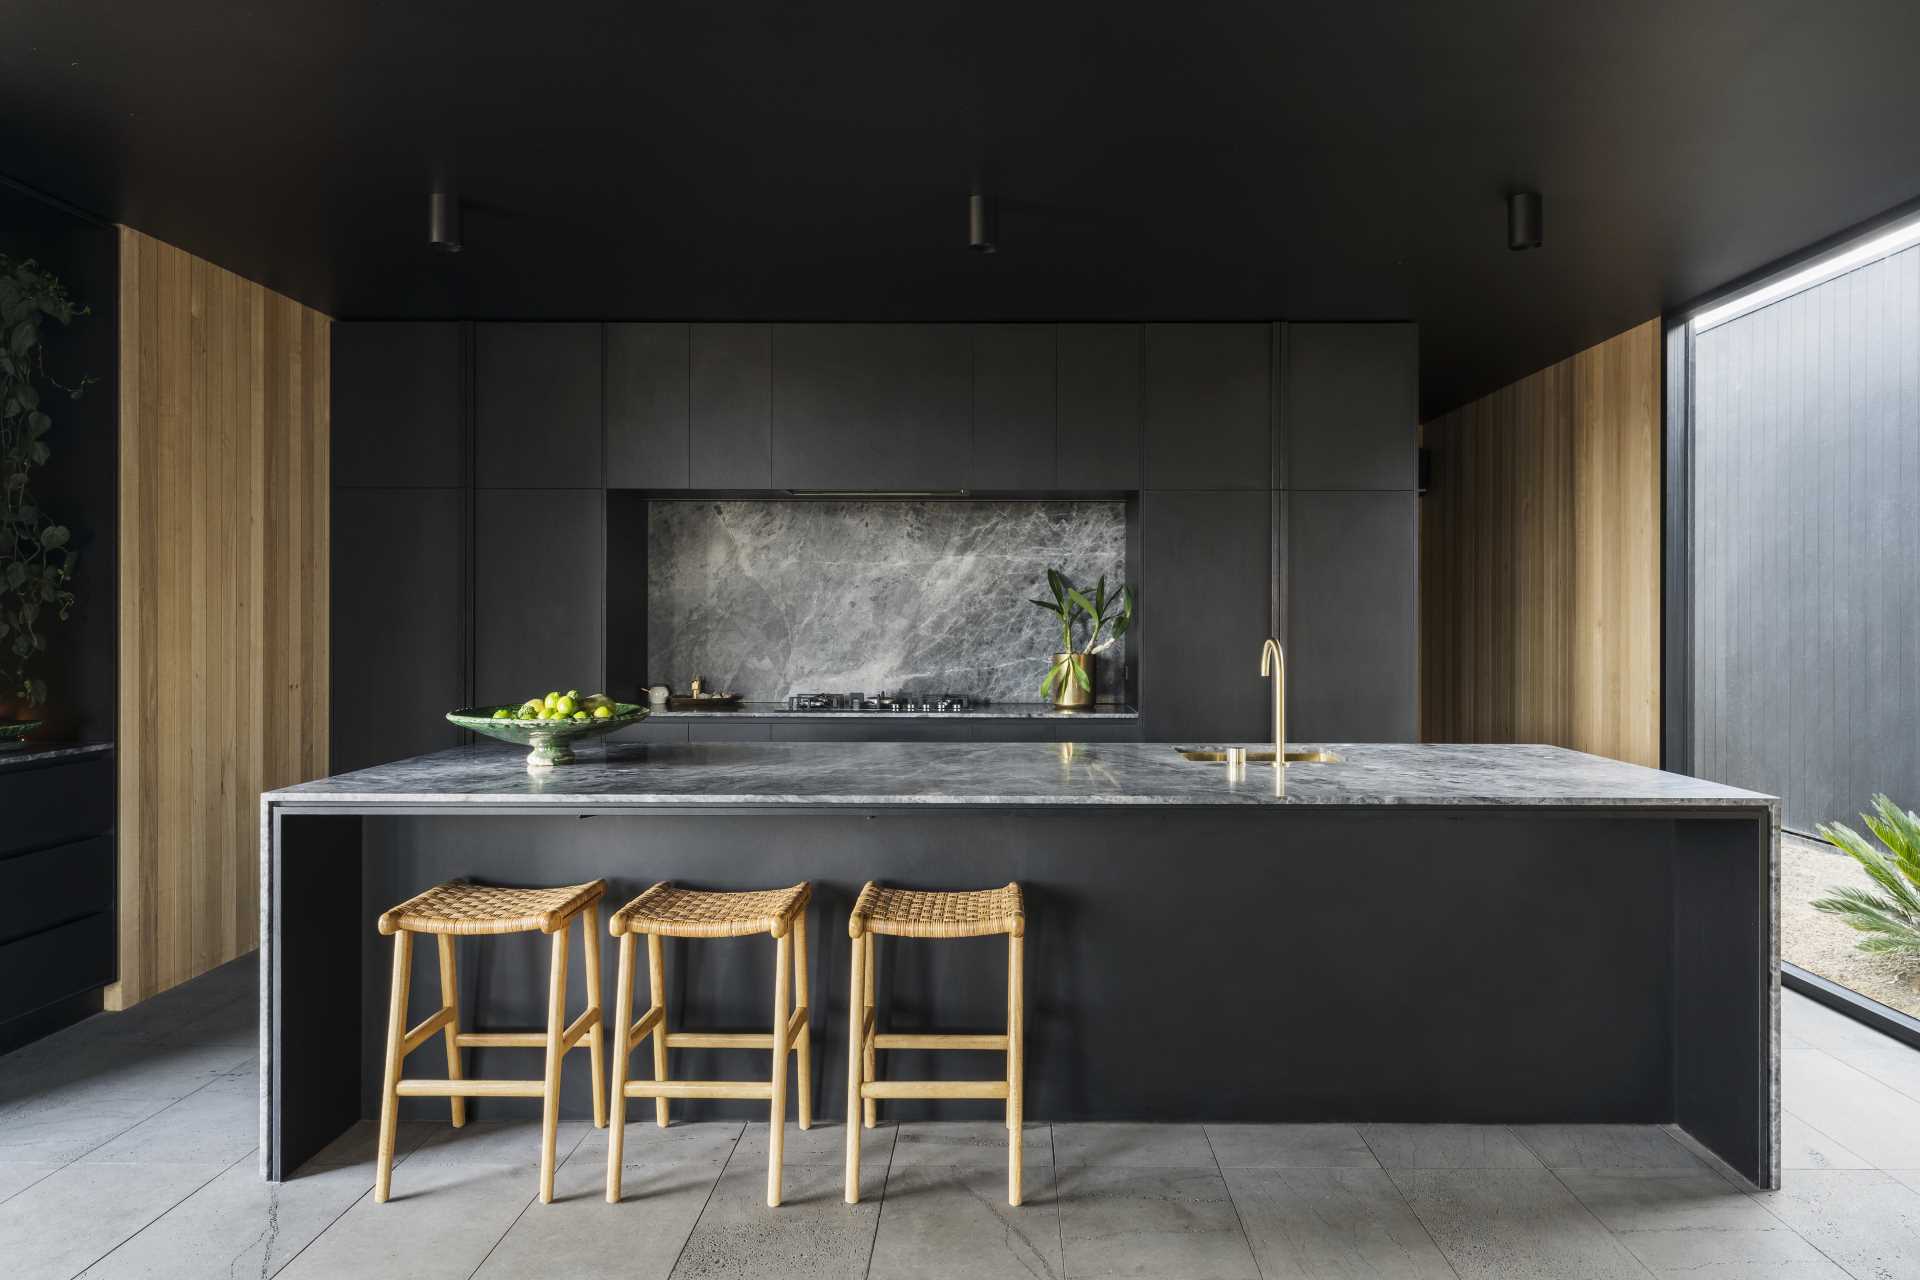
{"x": 1068, "y": 693}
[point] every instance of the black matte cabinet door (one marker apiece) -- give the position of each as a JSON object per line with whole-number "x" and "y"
{"x": 1353, "y": 406}
{"x": 1100, "y": 374}
{"x": 539, "y": 590}
{"x": 398, "y": 391}
{"x": 732, "y": 407}
{"x": 647, "y": 406}
{"x": 1013, "y": 404}
{"x": 1352, "y": 597}
{"x": 1209, "y": 406}
{"x": 1204, "y": 610}
{"x": 537, "y": 406}
{"x": 398, "y": 629}
{"x": 872, "y": 406}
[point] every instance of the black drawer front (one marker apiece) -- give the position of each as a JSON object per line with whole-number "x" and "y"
{"x": 873, "y": 730}
{"x": 53, "y": 965}
{"x": 55, "y": 803}
{"x": 41, "y": 889}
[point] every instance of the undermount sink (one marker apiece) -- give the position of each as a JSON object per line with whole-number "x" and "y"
{"x": 1212, "y": 755}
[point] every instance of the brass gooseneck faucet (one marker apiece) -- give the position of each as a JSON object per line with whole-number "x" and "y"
{"x": 1273, "y": 662}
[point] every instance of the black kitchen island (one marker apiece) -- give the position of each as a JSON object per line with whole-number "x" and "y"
{"x": 1415, "y": 933}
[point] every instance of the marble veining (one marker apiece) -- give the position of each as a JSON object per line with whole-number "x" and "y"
{"x": 792, "y": 774}
{"x": 41, "y": 752}
{"x": 993, "y": 711}
{"x": 772, "y": 597}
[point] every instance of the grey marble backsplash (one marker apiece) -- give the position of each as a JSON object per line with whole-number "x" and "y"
{"x": 767, "y": 597}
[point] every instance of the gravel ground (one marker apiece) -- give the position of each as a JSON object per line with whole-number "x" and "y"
{"x": 1824, "y": 945}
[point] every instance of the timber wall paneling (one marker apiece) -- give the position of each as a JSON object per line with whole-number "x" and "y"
{"x": 1540, "y": 558}
{"x": 223, "y": 599}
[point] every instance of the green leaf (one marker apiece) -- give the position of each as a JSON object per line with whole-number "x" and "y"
{"x": 1080, "y": 676}
{"x": 1059, "y": 585}
{"x": 54, "y": 536}
{"x": 16, "y": 573}
{"x": 1046, "y": 685}
{"x": 1082, "y": 602}
{"x": 1120, "y": 625}
{"x": 1100, "y": 597}
{"x": 38, "y": 424}
{"x": 1048, "y": 605}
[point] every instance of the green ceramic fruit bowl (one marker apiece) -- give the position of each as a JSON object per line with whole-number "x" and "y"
{"x": 13, "y": 733}
{"x": 552, "y": 740}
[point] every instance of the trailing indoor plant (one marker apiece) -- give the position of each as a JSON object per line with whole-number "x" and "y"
{"x": 36, "y": 562}
{"x": 1890, "y": 920}
{"x": 1069, "y": 678}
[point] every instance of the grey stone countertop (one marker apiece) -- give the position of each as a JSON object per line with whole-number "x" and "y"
{"x": 991, "y": 711}
{"x": 1020, "y": 774}
{"x": 42, "y": 752}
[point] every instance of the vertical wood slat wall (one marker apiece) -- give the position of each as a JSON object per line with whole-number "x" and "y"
{"x": 1540, "y": 558}
{"x": 223, "y": 599}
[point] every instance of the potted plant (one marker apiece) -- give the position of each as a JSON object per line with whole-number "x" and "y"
{"x": 1069, "y": 680}
{"x": 1890, "y": 920}
{"x": 36, "y": 562}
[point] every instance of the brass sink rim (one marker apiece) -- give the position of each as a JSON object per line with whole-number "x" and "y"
{"x": 1218, "y": 755}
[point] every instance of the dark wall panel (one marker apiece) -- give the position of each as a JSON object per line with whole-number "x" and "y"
{"x": 539, "y": 592}
{"x": 1807, "y": 545}
{"x": 537, "y": 406}
{"x": 1352, "y": 589}
{"x": 1203, "y": 607}
{"x": 1352, "y": 406}
{"x": 1014, "y": 395}
{"x": 647, "y": 406}
{"x": 871, "y": 406}
{"x": 398, "y": 623}
{"x": 1209, "y": 406}
{"x": 398, "y": 404}
{"x": 1099, "y": 383}
{"x": 731, "y": 407}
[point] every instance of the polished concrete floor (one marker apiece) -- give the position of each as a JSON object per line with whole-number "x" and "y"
{"x": 127, "y": 1149}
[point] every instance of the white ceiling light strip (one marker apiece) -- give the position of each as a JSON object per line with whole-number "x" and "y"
{"x": 1887, "y": 242}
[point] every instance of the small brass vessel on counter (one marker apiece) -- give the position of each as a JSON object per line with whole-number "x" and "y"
{"x": 1070, "y": 692}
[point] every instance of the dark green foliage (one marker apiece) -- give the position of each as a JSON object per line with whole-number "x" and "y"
{"x": 1102, "y": 613}
{"x": 35, "y": 561}
{"x": 1891, "y": 919}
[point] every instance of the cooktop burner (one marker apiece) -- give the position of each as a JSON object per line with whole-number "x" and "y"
{"x": 882, "y": 701}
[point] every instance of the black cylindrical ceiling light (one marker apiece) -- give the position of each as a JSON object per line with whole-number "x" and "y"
{"x": 1523, "y": 220}
{"x": 981, "y": 231}
{"x": 443, "y": 221}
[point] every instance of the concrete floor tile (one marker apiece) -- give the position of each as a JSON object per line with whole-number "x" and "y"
{"x": 507, "y": 1143}
{"x": 1745, "y": 1254}
{"x": 954, "y": 1223}
{"x": 441, "y": 1223}
{"x": 237, "y": 1225}
{"x": 216, "y": 1125}
{"x": 361, "y": 1142}
{"x": 580, "y": 1235}
{"x": 15, "y": 1178}
{"x": 1877, "y": 1122}
{"x": 1501, "y": 1224}
{"x": 1605, "y": 1146}
{"x": 1804, "y": 1147}
{"x": 968, "y": 1144}
{"x": 1136, "y": 1146}
{"x": 1289, "y": 1146}
{"x": 1447, "y": 1146}
{"x": 1823, "y": 1028}
{"x": 1332, "y": 1224}
{"x": 1665, "y": 1199}
{"x": 68, "y": 1220}
{"x": 55, "y": 1132}
{"x": 825, "y": 1143}
{"x": 813, "y": 1233}
{"x": 1867, "y": 1221}
{"x": 1160, "y": 1222}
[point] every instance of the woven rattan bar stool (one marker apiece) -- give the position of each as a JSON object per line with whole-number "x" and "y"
{"x": 912, "y": 913}
{"x": 453, "y": 910}
{"x": 666, "y": 911}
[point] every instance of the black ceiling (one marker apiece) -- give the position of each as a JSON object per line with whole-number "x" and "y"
{"x": 734, "y": 158}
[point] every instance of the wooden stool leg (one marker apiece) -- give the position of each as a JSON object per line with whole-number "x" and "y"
{"x": 1016, "y": 1063}
{"x": 622, "y": 1023}
{"x": 450, "y": 997}
{"x": 871, "y": 1109}
{"x": 389, "y": 1087}
{"x": 556, "y": 1027}
{"x": 856, "y": 1024}
{"x": 657, "y": 992}
{"x": 805, "y": 1038}
{"x": 596, "y": 1042}
{"x": 777, "y": 1113}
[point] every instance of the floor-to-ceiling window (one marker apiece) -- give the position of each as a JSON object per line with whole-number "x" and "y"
{"x": 1804, "y": 427}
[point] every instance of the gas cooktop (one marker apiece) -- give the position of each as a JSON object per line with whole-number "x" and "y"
{"x": 883, "y": 701}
